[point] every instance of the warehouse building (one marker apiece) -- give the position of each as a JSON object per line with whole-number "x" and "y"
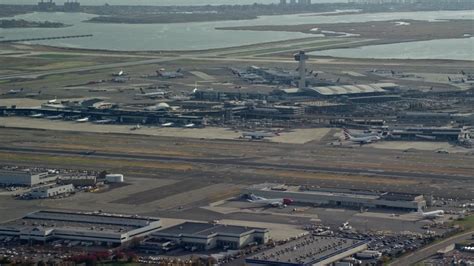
{"x": 25, "y": 177}
{"x": 309, "y": 250}
{"x": 339, "y": 197}
{"x": 206, "y": 236}
{"x": 50, "y": 191}
{"x": 99, "y": 228}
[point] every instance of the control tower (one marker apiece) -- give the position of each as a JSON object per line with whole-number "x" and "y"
{"x": 301, "y": 57}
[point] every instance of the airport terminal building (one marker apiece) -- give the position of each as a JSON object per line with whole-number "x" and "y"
{"x": 339, "y": 197}
{"x": 99, "y": 228}
{"x": 206, "y": 236}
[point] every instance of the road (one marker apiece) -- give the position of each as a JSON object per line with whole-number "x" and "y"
{"x": 246, "y": 163}
{"x": 430, "y": 250}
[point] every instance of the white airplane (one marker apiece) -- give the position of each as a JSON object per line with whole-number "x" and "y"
{"x": 151, "y": 95}
{"x": 169, "y": 124}
{"x": 259, "y": 135}
{"x": 364, "y": 134}
{"x": 54, "y": 101}
{"x": 261, "y": 201}
{"x": 55, "y": 117}
{"x": 432, "y": 214}
{"x": 136, "y": 127}
{"x": 83, "y": 120}
{"x": 361, "y": 140}
{"x": 119, "y": 74}
{"x": 190, "y": 125}
{"x": 103, "y": 121}
{"x": 170, "y": 75}
{"x": 39, "y": 115}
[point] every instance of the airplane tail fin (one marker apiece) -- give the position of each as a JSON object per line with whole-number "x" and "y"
{"x": 347, "y": 135}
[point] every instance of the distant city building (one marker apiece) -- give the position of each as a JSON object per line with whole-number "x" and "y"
{"x": 47, "y": 6}
{"x": 25, "y": 177}
{"x": 309, "y": 250}
{"x": 72, "y": 6}
{"x": 51, "y": 191}
{"x": 98, "y": 228}
{"x": 205, "y": 236}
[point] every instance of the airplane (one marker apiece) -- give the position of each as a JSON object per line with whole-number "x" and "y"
{"x": 361, "y": 140}
{"x": 136, "y": 127}
{"x": 432, "y": 214}
{"x": 364, "y": 134}
{"x": 259, "y": 135}
{"x": 190, "y": 125}
{"x": 345, "y": 227}
{"x": 281, "y": 202}
{"x": 151, "y": 95}
{"x": 55, "y": 117}
{"x": 103, "y": 121}
{"x": 456, "y": 80}
{"x": 170, "y": 75}
{"x": 169, "y": 124}
{"x": 83, "y": 120}
{"x": 11, "y": 92}
{"x": 54, "y": 101}
{"x": 39, "y": 115}
{"x": 119, "y": 74}
{"x": 120, "y": 80}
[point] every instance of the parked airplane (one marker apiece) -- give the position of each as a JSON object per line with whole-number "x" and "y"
{"x": 361, "y": 140}
{"x": 151, "y": 95}
{"x": 190, "y": 125}
{"x": 103, "y": 121}
{"x": 54, "y": 101}
{"x": 431, "y": 215}
{"x": 170, "y": 74}
{"x": 361, "y": 135}
{"x": 259, "y": 135}
{"x": 169, "y": 124}
{"x": 280, "y": 202}
{"x": 119, "y": 74}
{"x": 55, "y": 117}
{"x": 39, "y": 115}
{"x": 83, "y": 120}
{"x": 136, "y": 127}
{"x": 11, "y": 92}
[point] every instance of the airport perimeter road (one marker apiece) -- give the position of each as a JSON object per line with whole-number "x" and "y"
{"x": 243, "y": 162}
{"x": 430, "y": 250}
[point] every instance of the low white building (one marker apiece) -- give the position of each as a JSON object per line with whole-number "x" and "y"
{"x": 51, "y": 191}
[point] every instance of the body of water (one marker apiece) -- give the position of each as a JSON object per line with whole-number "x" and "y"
{"x": 191, "y": 36}
{"x": 460, "y": 49}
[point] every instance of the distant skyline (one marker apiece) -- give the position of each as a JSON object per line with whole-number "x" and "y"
{"x": 163, "y": 2}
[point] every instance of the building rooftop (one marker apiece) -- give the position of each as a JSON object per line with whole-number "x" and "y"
{"x": 348, "y": 89}
{"x": 307, "y": 250}
{"x": 205, "y": 229}
{"x": 78, "y": 219}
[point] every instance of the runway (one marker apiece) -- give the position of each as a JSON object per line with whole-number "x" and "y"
{"x": 245, "y": 163}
